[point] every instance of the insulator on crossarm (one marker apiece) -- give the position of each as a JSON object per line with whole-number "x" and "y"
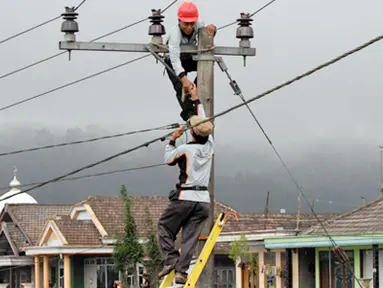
{"x": 156, "y": 30}
{"x": 244, "y": 32}
{"x": 69, "y": 26}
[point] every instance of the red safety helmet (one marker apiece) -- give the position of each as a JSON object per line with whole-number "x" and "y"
{"x": 188, "y": 12}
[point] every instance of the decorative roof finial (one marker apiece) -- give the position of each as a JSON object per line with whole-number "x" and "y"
{"x": 14, "y": 183}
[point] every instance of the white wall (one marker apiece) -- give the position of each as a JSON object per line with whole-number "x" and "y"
{"x": 367, "y": 266}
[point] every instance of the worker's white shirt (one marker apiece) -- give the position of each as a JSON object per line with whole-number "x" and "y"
{"x": 194, "y": 161}
{"x": 175, "y": 38}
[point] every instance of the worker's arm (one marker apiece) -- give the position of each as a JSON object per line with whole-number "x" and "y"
{"x": 199, "y": 109}
{"x": 173, "y": 153}
{"x": 175, "y": 50}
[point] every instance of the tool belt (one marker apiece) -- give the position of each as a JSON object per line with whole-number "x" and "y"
{"x": 196, "y": 188}
{"x": 174, "y": 194}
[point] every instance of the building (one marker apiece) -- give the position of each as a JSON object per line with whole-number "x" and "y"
{"x": 360, "y": 235}
{"x": 22, "y": 219}
{"x": 84, "y": 240}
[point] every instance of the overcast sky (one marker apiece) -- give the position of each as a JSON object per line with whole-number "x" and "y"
{"x": 335, "y": 113}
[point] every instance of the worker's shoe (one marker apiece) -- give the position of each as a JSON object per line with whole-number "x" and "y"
{"x": 181, "y": 278}
{"x": 166, "y": 270}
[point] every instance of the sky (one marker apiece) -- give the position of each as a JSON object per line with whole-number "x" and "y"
{"x": 326, "y": 126}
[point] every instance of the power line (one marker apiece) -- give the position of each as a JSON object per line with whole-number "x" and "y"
{"x": 37, "y": 26}
{"x": 297, "y": 78}
{"x": 72, "y": 83}
{"x": 342, "y": 255}
{"x": 172, "y": 126}
{"x": 338, "y": 251}
{"x": 93, "y": 175}
{"x": 95, "y": 39}
{"x": 146, "y": 144}
{"x": 251, "y": 15}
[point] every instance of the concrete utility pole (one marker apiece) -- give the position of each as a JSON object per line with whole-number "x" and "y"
{"x": 381, "y": 168}
{"x": 266, "y": 210}
{"x": 205, "y": 84}
{"x": 205, "y": 73}
{"x": 299, "y": 208}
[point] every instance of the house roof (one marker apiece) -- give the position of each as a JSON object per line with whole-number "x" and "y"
{"x": 109, "y": 210}
{"x": 16, "y": 235}
{"x": 29, "y": 220}
{"x": 255, "y": 222}
{"x": 364, "y": 220}
{"x": 78, "y": 232}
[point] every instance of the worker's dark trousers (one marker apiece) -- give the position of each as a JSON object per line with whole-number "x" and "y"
{"x": 189, "y": 65}
{"x": 192, "y": 217}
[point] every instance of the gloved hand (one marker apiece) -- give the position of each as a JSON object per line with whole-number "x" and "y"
{"x": 188, "y": 108}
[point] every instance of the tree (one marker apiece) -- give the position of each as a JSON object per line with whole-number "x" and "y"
{"x": 153, "y": 264}
{"x": 128, "y": 251}
{"x": 241, "y": 249}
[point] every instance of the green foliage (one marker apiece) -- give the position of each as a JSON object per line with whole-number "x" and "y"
{"x": 239, "y": 248}
{"x": 128, "y": 251}
{"x": 153, "y": 265}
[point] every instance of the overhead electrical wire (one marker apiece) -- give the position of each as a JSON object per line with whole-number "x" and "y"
{"x": 95, "y": 39}
{"x": 93, "y": 175}
{"x": 338, "y": 251}
{"x": 37, "y": 26}
{"x": 241, "y": 96}
{"x": 98, "y": 73}
{"x": 72, "y": 83}
{"x": 146, "y": 144}
{"x": 251, "y": 15}
{"x": 166, "y": 127}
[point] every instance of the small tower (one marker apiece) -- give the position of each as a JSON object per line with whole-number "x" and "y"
{"x": 14, "y": 184}
{"x": 14, "y": 196}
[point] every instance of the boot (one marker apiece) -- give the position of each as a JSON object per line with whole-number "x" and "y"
{"x": 166, "y": 270}
{"x": 181, "y": 278}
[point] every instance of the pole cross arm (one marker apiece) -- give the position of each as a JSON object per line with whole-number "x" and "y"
{"x": 137, "y": 47}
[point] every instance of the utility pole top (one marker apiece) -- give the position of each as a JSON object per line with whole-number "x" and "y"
{"x": 156, "y": 30}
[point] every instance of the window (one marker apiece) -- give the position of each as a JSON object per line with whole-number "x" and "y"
{"x": 26, "y": 274}
{"x": 139, "y": 273}
{"x": 224, "y": 278}
{"x": 107, "y": 273}
{"x": 334, "y": 272}
{"x": 105, "y": 270}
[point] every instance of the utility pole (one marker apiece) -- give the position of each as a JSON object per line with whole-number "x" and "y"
{"x": 313, "y": 203}
{"x": 381, "y": 169}
{"x": 205, "y": 84}
{"x": 205, "y": 73}
{"x": 266, "y": 211}
{"x": 299, "y": 207}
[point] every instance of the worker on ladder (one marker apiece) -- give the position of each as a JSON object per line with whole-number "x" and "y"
{"x": 185, "y": 32}
{"x": 190, "y": 202}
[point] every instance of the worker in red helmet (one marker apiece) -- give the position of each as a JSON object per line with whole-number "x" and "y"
{"x": 185, "y": 32}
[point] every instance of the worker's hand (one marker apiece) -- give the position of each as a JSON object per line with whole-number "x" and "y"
{"x": 193, "y": 92}
{"x": 177, "y": 134}
{"x": 186, "y": 83}
{"x": 211, "y": 30}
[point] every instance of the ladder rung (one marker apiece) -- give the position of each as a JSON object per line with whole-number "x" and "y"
{"x": 204, "y": 255}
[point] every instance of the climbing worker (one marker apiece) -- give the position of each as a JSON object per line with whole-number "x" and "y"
{"x": 189, "y": 204}
{"x": 185, "y": 32}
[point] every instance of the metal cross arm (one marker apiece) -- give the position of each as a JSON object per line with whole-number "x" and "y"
{"x": 138, "y": 47}
{"x": 70, "y": 27}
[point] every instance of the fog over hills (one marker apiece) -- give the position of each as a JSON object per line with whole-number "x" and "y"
{"x": 327, "y": 171}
